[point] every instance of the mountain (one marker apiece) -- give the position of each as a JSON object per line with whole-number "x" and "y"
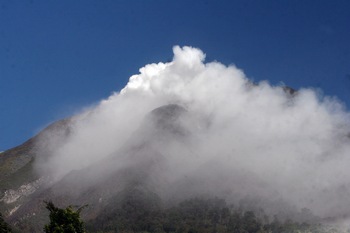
{"x": 18, "y": 179}
{"x": 17, "y": 159}
{"x": 23, "y": 190}
{"x": 153, "y": 183}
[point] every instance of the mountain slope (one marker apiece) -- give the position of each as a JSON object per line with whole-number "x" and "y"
{"x": 99, "y": 185}
{"x": 153, "y": 174}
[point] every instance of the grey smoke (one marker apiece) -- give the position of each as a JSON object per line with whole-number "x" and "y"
{"x": 221, "y": 136}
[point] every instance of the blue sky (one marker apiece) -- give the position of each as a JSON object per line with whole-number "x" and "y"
{"x": 57, "y": 57}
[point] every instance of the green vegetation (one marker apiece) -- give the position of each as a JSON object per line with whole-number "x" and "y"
{"x": 64, "y": 220}
{"x": 139, "y": 211}
{"x": 4, "y": 227}
{"x": 134, "y": 214}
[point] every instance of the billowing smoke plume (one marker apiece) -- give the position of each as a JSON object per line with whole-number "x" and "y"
{"x": 233, "y": 138}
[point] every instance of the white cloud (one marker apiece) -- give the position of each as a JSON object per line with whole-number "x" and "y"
{"x": 245, "y": 139}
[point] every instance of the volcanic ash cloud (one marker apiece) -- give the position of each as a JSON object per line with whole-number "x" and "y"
{"x": 245, "y": 139}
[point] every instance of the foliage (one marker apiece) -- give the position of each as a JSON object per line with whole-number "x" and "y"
{"x": 133, "y": 211}
{"x": 64, "y": 220}
{"x": 144, "y": 214}
{"x": 4, "y": 227}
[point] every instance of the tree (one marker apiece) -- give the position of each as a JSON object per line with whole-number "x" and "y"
{"x": 4, "y": 227}
{"x": 64, "y": 220}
